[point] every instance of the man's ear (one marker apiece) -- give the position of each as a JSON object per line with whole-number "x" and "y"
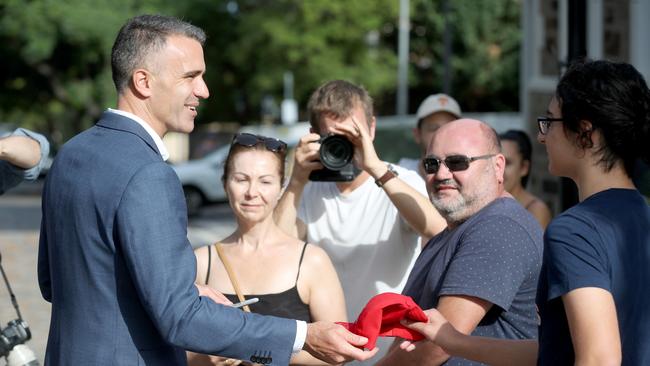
{"x": 371, "y": 127}
{"x": 585, "y": 137}
{"x": 416, "y": 135}
{"x": 500, "y": 167}
{"x": 141, "y": 80}
{"x": 525, "y": 165}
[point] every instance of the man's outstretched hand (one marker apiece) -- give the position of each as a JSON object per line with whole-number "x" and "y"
{"x": 334, "y": 344}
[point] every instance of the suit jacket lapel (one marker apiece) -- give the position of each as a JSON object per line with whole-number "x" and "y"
{"x": 115, "y": 121}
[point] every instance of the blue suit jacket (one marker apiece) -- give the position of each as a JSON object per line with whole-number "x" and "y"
{"x": 115, "y": 262}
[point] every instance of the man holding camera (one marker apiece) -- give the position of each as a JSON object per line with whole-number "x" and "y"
{"x": 368, "y": 215}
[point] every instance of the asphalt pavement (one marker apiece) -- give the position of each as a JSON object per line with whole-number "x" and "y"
{"x": 20, "y": 217}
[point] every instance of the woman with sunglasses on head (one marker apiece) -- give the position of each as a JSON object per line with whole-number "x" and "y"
{"x": 593, "y": 293}
{"x": 291, "y": 278}
{"x": 517, "y": 148}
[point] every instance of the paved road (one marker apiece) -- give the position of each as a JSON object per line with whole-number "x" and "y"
{"x": 20, "y": 218}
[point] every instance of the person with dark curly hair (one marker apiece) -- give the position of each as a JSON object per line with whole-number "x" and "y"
{"x": 593, "y": 293}
{"x": 517, "y": 148}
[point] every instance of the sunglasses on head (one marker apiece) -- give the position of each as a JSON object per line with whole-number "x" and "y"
{"x": 455, "y": 163}
{"x": 250, "y": 140}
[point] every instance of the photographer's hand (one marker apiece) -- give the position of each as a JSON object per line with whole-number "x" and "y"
{"x": 412, "y": 205}
{"x": 306, "y": 159}
{"x": 365, "y": 155}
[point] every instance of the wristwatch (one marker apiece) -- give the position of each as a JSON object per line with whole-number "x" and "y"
{"x": 390, "y": 174}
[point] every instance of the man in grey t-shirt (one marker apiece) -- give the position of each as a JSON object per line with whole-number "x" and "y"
{"x": 481, "y": 272}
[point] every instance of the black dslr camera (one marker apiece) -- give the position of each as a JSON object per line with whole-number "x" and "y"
{"x": 17, "y": 332}
{"x": 336, "y": 153}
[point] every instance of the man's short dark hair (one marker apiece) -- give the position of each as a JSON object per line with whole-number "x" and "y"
{"x": 337, "y": 99}
{"x": 142, "y": 36}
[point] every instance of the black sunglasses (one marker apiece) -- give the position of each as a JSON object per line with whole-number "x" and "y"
{"x": 455, "y": 163}
{"x": 250, "y": 140}
{"x": 543, "y": 123}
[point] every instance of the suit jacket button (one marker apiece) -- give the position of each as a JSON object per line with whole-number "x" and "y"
{"x": 254, "y": 359}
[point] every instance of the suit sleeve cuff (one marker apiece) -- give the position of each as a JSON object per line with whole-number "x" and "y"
{"x": 301, "y": 335}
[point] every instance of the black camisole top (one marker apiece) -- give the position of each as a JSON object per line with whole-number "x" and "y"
{"x": 285, "y": 304}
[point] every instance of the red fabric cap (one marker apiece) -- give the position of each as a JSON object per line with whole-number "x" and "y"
{"x": 382, "y": 316}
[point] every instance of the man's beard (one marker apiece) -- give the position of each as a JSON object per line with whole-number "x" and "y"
{"x": 454, "y": 210}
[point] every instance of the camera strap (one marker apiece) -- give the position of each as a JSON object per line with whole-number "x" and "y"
{"x": 11, "y": 293}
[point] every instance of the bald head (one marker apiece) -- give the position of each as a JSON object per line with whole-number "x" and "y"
{"x": 470, "y": 132}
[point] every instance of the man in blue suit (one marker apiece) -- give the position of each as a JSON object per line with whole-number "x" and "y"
{"x": 114, "y": 259}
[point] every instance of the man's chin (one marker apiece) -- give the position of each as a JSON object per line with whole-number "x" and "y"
{"x": 186, "y": 127}
{"x": 447, "y": 205}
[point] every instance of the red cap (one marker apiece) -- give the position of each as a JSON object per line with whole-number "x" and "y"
{"x": 381, "y": 318}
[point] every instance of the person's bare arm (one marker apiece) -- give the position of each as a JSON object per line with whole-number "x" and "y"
{"x": 21, "y": 151}
{"x": 491, "y": 351}
{"x": 286, "y": 211}
{"x": 463, "y": 312}
{"x": 305, "y": 161}
{"x": 415, "y": 208}
{"x": 595, "y": 342}
{"x": 319, "y": 281}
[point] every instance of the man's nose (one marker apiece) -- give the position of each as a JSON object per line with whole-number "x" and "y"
{"x": 201, "y": 89}
{"x": 443, "y": 172}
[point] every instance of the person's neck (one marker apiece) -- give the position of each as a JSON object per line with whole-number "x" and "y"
{"x": 129, "y": 103}
{"x": 255, "y": 235}
{"x": 348, "y": 187}
{"x": 593, "y": 179}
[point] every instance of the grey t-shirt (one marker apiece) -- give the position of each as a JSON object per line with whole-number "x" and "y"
{"x": 495, "y": 255}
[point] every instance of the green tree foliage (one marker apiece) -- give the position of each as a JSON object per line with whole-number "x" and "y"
{"x": 56, "y": 61}
{"x": 56, "y": 54}
{"x": 251, "y": 48}
{"x": 484, "y": 56}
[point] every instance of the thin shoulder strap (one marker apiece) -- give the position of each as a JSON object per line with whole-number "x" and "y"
{"x": 231, "y": 275}
{"x": 302, "y": 255}
{"x": 207, "y": 276}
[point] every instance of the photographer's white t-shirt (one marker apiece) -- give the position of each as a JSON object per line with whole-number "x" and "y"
{"x": 373, "y": 249}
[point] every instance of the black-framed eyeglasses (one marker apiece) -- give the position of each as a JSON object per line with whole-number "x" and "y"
{"x": 250, "y": 140}
{"x": 455, "y": 163}
{"x": 543, "y": 123}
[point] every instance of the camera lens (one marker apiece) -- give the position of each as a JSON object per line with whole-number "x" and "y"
{"x": 335, "y": 152}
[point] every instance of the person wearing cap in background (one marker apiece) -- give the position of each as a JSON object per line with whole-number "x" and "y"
{"x": 435, "y": 111}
